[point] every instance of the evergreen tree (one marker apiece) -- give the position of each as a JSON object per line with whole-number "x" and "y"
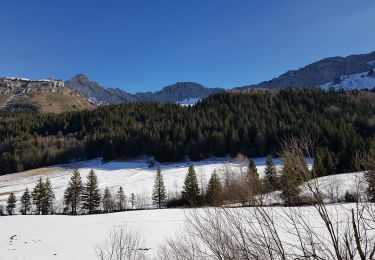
{"x": 323, "y": 163}
{"x": 72, "y": 195}
{"x": 271, "y": 173}
{"x": 191, "y": 190}
{"x": 291, "y": 177}
{"x": 370, "y": 191}
{"x": 26, "y": 202}
{"x": 107, "y": 201}
{"x": 159, "y": 193}
{"x": 48, "y": 198}
{"x": 214, "y": 192}
{"x": 121, "y": 199}
{"x": 38, "y": 195}
{"x": 91, "y": 196}
{"x": 350, "y": 197}
{"x": 253, "y": 182}
{"x": 11, "y": 203}
{"x": 1, "y": 210}
{"x": 133, "y": 201}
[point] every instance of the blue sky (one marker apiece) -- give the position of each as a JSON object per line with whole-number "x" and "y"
{"x": 144, "y": 45}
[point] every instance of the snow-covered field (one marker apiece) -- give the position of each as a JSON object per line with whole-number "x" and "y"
{"x": 134, "y": 176}
{"x": 76, "y": 237}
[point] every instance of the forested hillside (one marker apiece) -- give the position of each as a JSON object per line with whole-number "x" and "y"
{"x": 251, "y": 123}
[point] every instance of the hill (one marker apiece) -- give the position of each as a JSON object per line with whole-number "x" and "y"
{"x": 46, "y": 96}
{"x": 252, "y": 123}
{"x": 351, "y": 72}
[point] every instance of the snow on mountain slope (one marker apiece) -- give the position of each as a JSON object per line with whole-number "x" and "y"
{"x": 134, "y": 176}
{"x": 188, "y": 102}
{"x": 353, "y": 81}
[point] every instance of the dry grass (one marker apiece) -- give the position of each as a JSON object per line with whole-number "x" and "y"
{"x": 58, "y": 103}
{"x": 3, "y": 99}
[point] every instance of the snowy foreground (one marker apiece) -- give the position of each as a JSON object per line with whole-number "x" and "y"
{"x": 77, "y": 237}
{"x": 134, "y": 176}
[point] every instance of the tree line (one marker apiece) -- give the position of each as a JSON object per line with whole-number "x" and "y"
{"x": 246, "y": 187}
{"x": 251, "y": 123}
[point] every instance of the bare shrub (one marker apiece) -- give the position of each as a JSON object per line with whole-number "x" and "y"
{"x": 321, "y": 231}
{"x": 122, "y": 244}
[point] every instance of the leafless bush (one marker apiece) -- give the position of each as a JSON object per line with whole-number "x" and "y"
{"x": 122, "y": 244}
{"x": 321, "y": 231}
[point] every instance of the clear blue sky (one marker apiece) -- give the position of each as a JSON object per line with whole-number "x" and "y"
{"x": 144, "y": 45}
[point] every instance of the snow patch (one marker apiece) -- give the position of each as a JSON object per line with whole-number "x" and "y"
{"x": 364, "y": 80}
{"x": 188, "y": 102}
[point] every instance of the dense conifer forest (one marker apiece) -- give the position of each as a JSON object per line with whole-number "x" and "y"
{"x": 252, "y": 123}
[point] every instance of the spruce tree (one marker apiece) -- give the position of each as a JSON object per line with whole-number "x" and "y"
{"x": 133, "y": 201}
{"x": 292, "y": 176}
{"x": 271, "y": 173}
{"x": 159, "y": 193}
{"x": 323, "y": 163}
{"x": 253, "y": 182}
{"x": 11, "y": 203}
{"x": 26, "y": 202}
{"x": 48, "y": 198}
{"x": 191, "y": 190}
{"x": 121, "y": 199}
{"x": 38, "y": 195}
{"x": 107, "y": 200}
{"x": 91, "y": 196}
{"x": 214, "y": 192}
{"x": 73, "y": 193}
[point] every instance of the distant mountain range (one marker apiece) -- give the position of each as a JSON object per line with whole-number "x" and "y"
{"x": 175, "y": 93}
{"x": 50, "y": 95}
{"x": 351, "y": 72}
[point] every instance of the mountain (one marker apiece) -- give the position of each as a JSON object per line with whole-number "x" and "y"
{"x": 180, "y": 92}
{"x": 351, "y": 72}
{"x": 49, "y": 95}
{"x": 97, "y": 93}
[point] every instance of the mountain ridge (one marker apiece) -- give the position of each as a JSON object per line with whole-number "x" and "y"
{"x": 324, "y": 71}
{"x": 169, "y": 94}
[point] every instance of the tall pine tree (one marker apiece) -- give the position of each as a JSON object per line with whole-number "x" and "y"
{"x": 323, "y": 163}
{"x": 294, "y": 172}
{"x": 107, "y": 201}
{"x": 121, "y": 199}
{"x": 91, "y": 196}
{"x": 133, "y": 201}
{"x": 159, "y": 193}
{"x": 191, "y": 190}
{"x": 48, "y": 198}
{"x": 73, "y": 193}
{"x": 11, "y": 203}
{"x": 26, "y": 202}
{"x": 253, "y": 182}
{"x": 38, "y": 195}
{"x": 214, "y": 194}
{"x": 271, "y": 174}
